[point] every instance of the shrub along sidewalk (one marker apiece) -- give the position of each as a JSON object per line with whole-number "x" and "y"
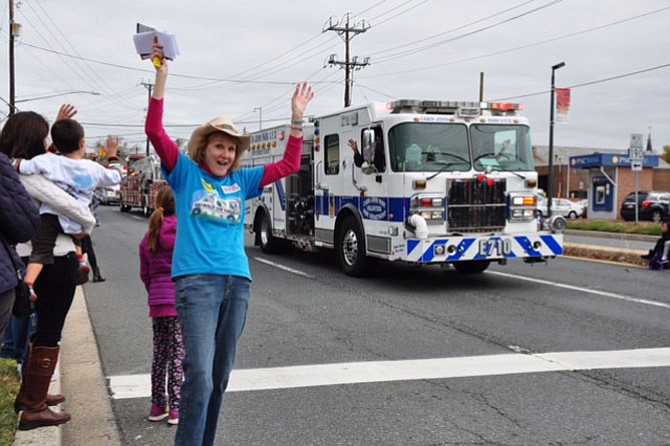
{"x": 623, "y": 227}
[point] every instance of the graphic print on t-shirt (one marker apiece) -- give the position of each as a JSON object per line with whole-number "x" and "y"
{"x": 208, "y": 204}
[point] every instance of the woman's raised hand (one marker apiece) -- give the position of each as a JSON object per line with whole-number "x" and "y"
{"x": 158, "y": 56}
{"x": 302, "y": 95}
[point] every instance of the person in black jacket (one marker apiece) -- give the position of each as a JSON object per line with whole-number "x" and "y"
{"x": 19, "y": 219}
{"x": 662, "y": 247}
{"x": 23, "y": 136}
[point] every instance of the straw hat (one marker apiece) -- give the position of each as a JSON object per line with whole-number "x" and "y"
{"x": 219, "y": 124}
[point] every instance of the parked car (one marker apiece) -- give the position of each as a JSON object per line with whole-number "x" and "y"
{"x": 110, "y": 194}
{"x": 560, "y": 206}
{"x": 651, "y": 205}
{"x": 584, "y": 203}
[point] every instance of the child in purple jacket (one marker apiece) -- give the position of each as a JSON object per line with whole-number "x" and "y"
{"x": 155, "y": 269}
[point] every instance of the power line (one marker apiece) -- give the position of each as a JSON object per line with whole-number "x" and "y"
{"x": 452, "y": 30}
{"x": 521, "y": 47}
{"x": 398, "y": 14}
{"x": 184, "y": 76}
{"x": 467, "y": 34}
{"x": 584, "y": 84}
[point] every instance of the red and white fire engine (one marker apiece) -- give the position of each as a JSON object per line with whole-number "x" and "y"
{"x": 140, "y": 186}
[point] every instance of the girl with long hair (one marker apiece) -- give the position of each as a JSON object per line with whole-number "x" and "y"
{"x": 155, "y": 270}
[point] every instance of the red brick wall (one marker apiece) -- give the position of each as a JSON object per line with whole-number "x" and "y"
{"x": 661, "y": 179}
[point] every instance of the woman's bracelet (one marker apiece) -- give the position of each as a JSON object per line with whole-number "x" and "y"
{"x": 296, "y": 127}
{"x": 297, "y": 121}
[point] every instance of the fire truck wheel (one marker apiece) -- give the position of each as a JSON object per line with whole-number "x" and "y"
{"x": 471, "y": 266}
{"x": 268, "y": 243}
{"x": 351, "y": 248}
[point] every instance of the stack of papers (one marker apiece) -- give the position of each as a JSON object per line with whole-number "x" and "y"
{"x": 144, "y": 40}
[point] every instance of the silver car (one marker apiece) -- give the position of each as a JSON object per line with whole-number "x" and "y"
{"x": 560, "y": 206}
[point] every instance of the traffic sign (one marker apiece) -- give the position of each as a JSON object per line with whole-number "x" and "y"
{"x": 636, "y": 166}
{"x": 636, "y": 141}
{"x": 636, "y": 154}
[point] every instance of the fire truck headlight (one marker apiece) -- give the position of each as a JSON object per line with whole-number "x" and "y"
{"x": 521, "y": 206}
{"x": 439, "y": 250}
{"x": 523, "y": 214}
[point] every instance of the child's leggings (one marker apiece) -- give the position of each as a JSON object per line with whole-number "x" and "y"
{"x": 166, "y": 367}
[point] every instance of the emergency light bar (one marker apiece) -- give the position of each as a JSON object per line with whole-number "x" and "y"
{"x": 466, "y": 109}
{"x": 419, "y": 106}
{"x": 502, "y": 106}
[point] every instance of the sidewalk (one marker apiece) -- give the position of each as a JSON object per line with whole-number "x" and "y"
{"x": 85, "y": 387}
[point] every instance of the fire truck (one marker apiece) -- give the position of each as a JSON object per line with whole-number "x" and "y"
{"x": 141, "y": 184}
{"x": 418, "y": 181}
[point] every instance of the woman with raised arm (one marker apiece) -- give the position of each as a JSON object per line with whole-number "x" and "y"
{"x": 210, "y": 266}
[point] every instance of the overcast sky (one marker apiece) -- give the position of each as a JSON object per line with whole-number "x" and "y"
{"x": 242, "y": 59}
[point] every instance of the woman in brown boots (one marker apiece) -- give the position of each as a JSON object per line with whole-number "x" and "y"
{"x": 23, "y": 136}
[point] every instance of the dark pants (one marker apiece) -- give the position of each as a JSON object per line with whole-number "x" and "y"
{"x": 55, "y": 287}
{"x": 87, "y": 248}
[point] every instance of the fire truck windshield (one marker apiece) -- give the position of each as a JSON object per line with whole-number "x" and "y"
{"x": 501, "y": 147}
{"x": 429, "y": 147}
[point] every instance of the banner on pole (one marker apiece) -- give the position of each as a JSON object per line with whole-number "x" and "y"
{"x": 563, "y": 105}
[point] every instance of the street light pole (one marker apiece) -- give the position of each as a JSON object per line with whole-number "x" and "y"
{"x": 53, "y": 95}
{"x": 550, "y": 191}
{"x": 260, "y": 117}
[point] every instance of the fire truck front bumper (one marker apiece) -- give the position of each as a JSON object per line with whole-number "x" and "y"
{"x": 455, "y": 249}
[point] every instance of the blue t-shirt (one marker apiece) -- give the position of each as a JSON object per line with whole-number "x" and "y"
{"x": 210, "y": 216}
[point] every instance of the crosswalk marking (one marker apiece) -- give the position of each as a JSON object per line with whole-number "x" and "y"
{"x": 139, "y": 386}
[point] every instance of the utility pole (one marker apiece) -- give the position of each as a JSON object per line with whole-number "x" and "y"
{"x": 14, "y": 31}
{"x": 348, "y": 32}
{"x": 149, "y": 88}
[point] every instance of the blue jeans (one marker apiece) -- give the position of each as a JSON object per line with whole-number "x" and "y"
{"x": 17, "y": 337}
{"x": 212, "y": 311}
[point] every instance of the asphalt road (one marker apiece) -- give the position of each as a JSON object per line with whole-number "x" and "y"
{"x": 413, "y": 356}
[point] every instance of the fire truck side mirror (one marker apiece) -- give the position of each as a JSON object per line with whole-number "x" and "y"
{"x": 368, "y": 150}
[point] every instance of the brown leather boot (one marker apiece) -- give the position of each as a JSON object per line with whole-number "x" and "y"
{"x": 36, "y": 413}
{"x": 52, "y": 400}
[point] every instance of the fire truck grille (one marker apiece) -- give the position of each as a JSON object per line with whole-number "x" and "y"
{"x": 476, "y": 206}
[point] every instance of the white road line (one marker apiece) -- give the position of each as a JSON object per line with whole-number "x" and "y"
{"x": 139, "y": 386}
{"x": 585, "y": 290}
{"x": 285, "y": 268}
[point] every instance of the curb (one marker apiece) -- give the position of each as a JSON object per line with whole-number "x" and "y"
{"x": 84, "y": 385}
